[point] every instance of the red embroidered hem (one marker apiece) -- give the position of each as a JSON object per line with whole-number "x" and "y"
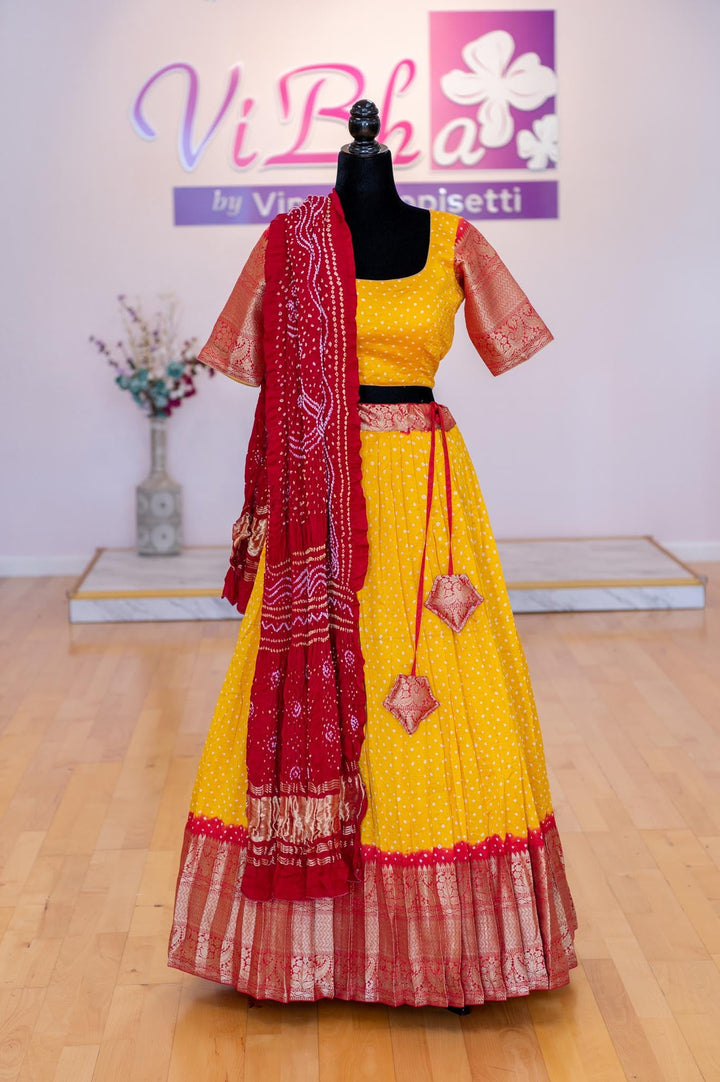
{"x": 446, "y": 928}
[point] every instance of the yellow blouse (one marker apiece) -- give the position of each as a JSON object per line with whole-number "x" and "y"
{"x": 405, "y": 325}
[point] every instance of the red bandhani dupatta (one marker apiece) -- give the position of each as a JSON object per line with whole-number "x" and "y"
{"x": 305, "y": 797}
{"x": 250, "y": 529}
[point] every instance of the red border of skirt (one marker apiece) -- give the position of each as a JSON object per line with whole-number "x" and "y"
{"x": 448, "y": 927}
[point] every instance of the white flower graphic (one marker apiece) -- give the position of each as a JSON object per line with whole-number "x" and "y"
{"x": 495, "y": 84}
{"x": 542, "y": 147}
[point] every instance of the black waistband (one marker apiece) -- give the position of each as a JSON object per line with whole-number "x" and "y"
{"x": 393, "y": 393}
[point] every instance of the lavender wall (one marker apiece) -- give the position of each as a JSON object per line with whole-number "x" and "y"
{"x": 611, "y": 430}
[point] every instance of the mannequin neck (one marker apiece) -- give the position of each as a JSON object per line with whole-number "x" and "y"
{"x": 366, "y": 186}
{"x": 390, "y": 238}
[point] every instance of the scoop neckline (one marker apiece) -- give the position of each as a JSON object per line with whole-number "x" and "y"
{"x": 409, "y": 277}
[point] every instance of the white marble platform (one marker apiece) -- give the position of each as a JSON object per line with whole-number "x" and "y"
{"x": 597, "y": 574}
{"x": 584, "y": 575}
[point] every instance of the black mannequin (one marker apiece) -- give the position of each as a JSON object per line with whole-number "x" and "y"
{"x": 390, "y": 238}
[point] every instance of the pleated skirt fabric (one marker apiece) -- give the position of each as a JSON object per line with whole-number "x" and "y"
{"x": 464, "y": 895}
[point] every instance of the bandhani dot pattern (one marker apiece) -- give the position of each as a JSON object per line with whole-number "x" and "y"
{"x": 464, "y": 896}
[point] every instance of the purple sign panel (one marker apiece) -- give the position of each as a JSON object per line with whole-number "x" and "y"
{"x": 258, "y": 204}
{"x": 493, "y": 90}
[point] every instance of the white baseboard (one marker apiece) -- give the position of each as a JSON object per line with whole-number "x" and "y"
{"x": 693, "y": 550}
{"x": 16, "y": 566}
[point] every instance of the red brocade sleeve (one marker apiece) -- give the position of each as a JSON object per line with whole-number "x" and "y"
{"x": 503, "y": 325}
{"x": 235, "y": 346}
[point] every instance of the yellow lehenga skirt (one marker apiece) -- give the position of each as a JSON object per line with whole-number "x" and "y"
{"x": 464, "y": 896}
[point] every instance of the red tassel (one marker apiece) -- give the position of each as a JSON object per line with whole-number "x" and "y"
{"x": 231, "y": 589}
{"x": 237, "y": 589}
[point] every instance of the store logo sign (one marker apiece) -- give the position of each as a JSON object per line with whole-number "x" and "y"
{"x": 492, "y": 105}
{"x": 493, "y": 90}
{"x": 309, "y": 96}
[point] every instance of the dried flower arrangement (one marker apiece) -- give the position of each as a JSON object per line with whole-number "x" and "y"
{"x": 159, "y": 373}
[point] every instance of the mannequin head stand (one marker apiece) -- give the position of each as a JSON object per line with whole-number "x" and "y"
{"x": 390, "y": 238}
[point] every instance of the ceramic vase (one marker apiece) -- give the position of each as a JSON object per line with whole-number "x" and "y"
{"x": 159, "y": 501}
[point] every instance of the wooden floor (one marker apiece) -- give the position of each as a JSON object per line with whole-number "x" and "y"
{"x": 100, "y": 731}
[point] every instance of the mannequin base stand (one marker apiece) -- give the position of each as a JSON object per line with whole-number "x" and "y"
{"x": 462, "y": 1011}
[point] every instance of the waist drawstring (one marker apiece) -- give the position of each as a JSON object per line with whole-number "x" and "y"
{"x": 436, "y": 419}
{"x": 453, "y": 598}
